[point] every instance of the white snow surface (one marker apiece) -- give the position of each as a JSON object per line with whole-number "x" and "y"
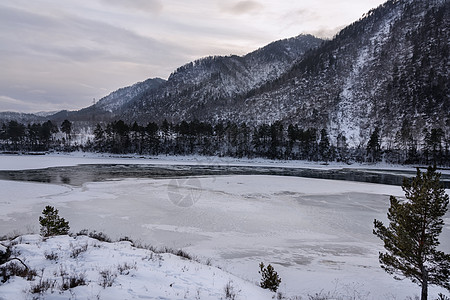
{"x": 316, "y": 233}
{"x": 133, "y": 273}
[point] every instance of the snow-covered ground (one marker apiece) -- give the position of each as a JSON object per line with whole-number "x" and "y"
{"x": 316, "y": 233}
{"x": 101, "y": 270}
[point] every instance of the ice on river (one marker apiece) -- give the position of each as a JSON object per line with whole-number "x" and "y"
{"x": 316, "y": 233}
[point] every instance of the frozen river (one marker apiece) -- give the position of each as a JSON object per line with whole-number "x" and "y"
{"x": 80, "y": 174}
{"x": 317, "y": 233}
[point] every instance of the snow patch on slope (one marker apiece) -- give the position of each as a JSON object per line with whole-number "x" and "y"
{"x": 122, "y": 96}
{"x": 348, "y": 117}
{"x": 117, "y": 271}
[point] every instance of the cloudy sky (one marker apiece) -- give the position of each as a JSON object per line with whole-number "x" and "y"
{"x": 62, "y": 54}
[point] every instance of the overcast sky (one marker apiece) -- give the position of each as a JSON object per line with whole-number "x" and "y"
{"x": 62, "y": 54}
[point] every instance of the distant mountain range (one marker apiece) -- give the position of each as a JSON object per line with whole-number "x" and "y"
{"x": 388, "y": 70}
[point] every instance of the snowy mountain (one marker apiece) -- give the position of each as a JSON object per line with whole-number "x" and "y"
{"x": 122, "y": 96}
{"x": 194, "y": 89}
{"x": 45, "y": 113}
{"x": 387, "y": 70}
{"x": 106, "y": 107}
{"x": 205, "y": 82}
{"x": 20, "y": 117}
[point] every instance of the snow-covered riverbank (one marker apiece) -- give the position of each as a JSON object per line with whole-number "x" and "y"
{"x": 23, "y": 162}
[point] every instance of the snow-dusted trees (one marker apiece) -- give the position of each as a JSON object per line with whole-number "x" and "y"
{"x": 277, "y": 140}
{"x": 433, "y": 146}
{"x": 16, "y": 136}
{"x": 274, "y": 141}
{"x": 15, "y": 132}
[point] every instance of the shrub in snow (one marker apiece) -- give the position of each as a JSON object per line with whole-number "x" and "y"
{"x": 5, "y": 253}
{"x": 14, "y": 269}
{"x": 230, "y": 293}
{"x": 321, "y": 296}
{"x": 100, "y": 236}
{"x": 208, "y": 262}
{"x": 126, "y": 239}
{"x": 82, "y": 232}
{"x": 51, "y": 256}
{"x": 42, "y": 286}
{"x": 107, "y": 278}
{"x": 124, "y": 268}
{"x": 179, "y": 252}
{"x": 183, "y": 254}
{"x": 71, "y": 281}
{"x": 52, "y": 224}
{"x": 270, "y": 279}
{"x": 77, "y": 250}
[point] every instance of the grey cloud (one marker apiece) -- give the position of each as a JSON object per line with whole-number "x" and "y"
{"x": 11, "y": 104}
{"x": 295, "y": 17}
{"x": 64, "y": 55}
{"x": 21, "y": 18}
{"x": 77, "y": 39}
{"x": 305, "y": 14}
{"x": 244, "y": 7}
{"x": 74, "y": 53}
{"x": 153, "y": 6}
{"x": 326, "y": 32}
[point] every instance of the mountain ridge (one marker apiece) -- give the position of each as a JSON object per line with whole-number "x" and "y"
{"x": 375, "y": 73}
{"x": 214, "y": 79}
{"x": 388, "y": 70}
{"x": 358, "y": 70}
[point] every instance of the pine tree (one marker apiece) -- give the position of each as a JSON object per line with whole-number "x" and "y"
{"x": 374, "y": 147}
{"x": 52, "y": 224}
{"x": 270, "y": 279}
{"x": 342, "y": 148}
{"x": 46, "y": 133}
{"x": 411, "y": 239}
{"x": 15, "y": 133}
{"x": 66, "y": 127}
{"x": 324, "y": 146}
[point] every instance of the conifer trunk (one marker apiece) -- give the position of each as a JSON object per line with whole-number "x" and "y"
{"x": 424, "y": 284}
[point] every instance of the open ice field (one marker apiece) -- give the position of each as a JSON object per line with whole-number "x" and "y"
{"x": 316, "y": 233}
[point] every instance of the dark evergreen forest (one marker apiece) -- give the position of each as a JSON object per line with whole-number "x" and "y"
{"x": 273, "y": 141}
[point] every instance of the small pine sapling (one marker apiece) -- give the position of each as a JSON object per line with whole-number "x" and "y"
{"x": 270, "y": 279}
{"x": 52, "y": 224}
